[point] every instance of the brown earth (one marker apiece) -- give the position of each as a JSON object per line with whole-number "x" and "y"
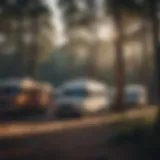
{"x": 84, "y": 139}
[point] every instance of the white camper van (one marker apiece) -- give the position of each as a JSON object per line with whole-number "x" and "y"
{"x": 82, "y": 97}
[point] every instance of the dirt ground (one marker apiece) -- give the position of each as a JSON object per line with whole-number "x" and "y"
{"x": 84, "y": 139}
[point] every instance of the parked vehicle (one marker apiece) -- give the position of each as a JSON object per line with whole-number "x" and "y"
{"x": 135, "y": 95}
{"x": 24, "y": 94}
{"x": 81, "y": 97}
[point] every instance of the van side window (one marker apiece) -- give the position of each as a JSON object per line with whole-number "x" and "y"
{"x": 9, "y": 90}
{"x": 98, "y": 94}
{"x": 75, "y": 92}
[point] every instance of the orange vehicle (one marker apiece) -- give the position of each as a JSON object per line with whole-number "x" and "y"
{"x": 25, "y": 95}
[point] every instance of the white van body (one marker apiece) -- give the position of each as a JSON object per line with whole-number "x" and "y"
{"x": 85, "y": 96}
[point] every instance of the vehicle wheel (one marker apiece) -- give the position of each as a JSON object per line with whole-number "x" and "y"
{"x": 67, "y": 113}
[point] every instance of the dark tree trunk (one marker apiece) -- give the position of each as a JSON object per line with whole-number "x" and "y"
{"x": 144, "y": 66}
{"x": 120, "y": 68}
{"x": 93, "y": 60}
{"x": 94, "y": 52}
{"x": 18, "y": 59}
{"x": 144, "y": 60}
{"x": 156, "y": 46}
{"x": 34, "y": 52}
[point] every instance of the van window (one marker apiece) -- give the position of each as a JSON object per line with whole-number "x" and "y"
{"x": 98, "y": 94}
{"x": 133, "y": 96}
{"x": 9, "y": 90}
{"x": 76, "y": 92}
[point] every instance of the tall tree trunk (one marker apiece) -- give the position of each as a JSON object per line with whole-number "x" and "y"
{"x": 120, "y": 69}
{"x": 92, "y": 66}
{"x": 145, "y": 74}
{"x": 34, "y": 52}
{"x": 18, "y": 59}
{"x": 93, "y": 61}
{"x": 144, "y": 66}
{"x": 72, "y": 64}
{"x": 156, "y": 46}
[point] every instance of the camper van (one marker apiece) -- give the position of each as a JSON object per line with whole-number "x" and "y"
{"x": 24, "y": 94}
{"x": 82, "y": 97}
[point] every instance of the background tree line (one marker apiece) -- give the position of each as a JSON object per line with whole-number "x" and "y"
{"x": 25, "y": 32}
{"x": 27, "y": 40}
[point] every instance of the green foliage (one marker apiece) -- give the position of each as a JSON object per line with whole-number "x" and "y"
{"x": 71, "y": 9}
{"x": 107, "y": 75}
{"x": 131, "y": 133}
{"x": 6, "y": 66}
{"x": 56, "y": 68}
{"x": 144, "y": 138}
{"x": 131, "y": 5}
{"x": 14, "y": 14}
{"x": 74, "y": 15}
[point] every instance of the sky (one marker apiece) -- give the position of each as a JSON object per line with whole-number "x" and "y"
{"x": 57, "y": 21}
{"x": 105, "y": 29}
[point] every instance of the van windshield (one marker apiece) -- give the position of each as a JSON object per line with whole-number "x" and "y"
{"x": 9, "y": 90}
{"x": 133, "y": 96}
{"x": 76, "y": 92}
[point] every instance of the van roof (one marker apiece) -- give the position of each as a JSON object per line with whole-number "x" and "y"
{"x": 17, "y": 82}
{"x": 85, "y": 83}
{"x": 135, "y": 88}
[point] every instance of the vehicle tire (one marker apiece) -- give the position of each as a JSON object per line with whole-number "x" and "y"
{"x": 67, "y": 112}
